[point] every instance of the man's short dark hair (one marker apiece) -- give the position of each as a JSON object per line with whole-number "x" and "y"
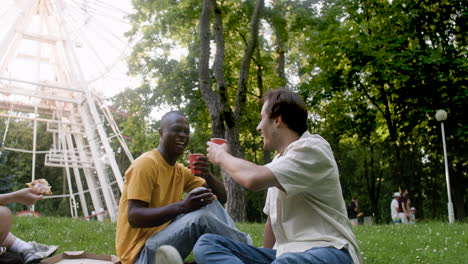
{"x": 290, "y": 106}
{"x": 166, "y": 117}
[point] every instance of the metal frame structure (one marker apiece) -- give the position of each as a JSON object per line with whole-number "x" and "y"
{"x": 61, "y": 98}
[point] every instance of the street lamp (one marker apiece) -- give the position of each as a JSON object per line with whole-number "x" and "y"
{"x": 441, "y": 116}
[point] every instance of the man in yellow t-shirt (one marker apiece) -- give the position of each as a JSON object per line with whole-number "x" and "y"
{"x": 151, "y": 210}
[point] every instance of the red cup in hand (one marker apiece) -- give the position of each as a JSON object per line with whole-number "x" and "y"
{"x": 218, "y": 141}
{"x": 192, "y": 159}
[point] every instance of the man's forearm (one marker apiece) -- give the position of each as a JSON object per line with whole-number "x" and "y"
{"x": 5, "y": 198}
{"x": 142, "y": 217}
{"x": 217, "y": 187}
{"x": 269, "y": 239}
{"x": 250, "y": 175}
{"x": 238, "y": 169}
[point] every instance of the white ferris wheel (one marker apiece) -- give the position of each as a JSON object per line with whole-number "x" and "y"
{"x": 59, "y": 59}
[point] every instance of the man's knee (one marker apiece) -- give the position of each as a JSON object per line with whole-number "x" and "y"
{"x": 5, "y": 216}
{"x": 203, "y": 241}
{"x": 5, "y": 222}
{"x": 5, "y": 211}
{"x": 286, "y": 258}
{"x": 198, "y": 189}
{"x": 201, "y": 216}
{"x": 209, "y": 239}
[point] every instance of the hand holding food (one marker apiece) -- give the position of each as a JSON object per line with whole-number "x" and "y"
{"x": 41, "y": 186}
{"x": 26, "y": 196}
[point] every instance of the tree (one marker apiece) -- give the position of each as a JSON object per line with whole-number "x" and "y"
{"x": 390, "y": 58}
{"x": 226, "y": 122}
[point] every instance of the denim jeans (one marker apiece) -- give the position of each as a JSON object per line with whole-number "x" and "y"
{"x": 215, "y": 249}
{"x": 184, "y": 231}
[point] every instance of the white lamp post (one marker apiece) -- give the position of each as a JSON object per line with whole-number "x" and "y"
{"x": 441, "y": 116}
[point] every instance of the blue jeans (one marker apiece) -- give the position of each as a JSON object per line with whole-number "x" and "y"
{"x": 184, "y": 231}
{"x": 214, "y": 249}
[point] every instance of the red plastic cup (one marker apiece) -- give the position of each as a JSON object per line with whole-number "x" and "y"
{"x": 192, "y": 158}
{"x": 218, "y": 141}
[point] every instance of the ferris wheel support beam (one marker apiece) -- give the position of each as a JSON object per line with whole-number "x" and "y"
{"x": 76, "y": 172}
{"x": 91, "y": 103}
{"x": 45, "y": 85}
{"x": 63, "y": 143}
{"x": 78, "y": 134}
{"x": 64, "y": 73}
{"x": 117, "y": 132}
{"x": 33, "y": 169}
{"x": 99, "y": 166}
{"x": 90, "y": 180}
{"x": 90, "y": 116}
{"x": 21, "y": 91}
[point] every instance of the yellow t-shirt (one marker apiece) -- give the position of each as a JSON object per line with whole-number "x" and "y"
{"x": 150, "y": 179}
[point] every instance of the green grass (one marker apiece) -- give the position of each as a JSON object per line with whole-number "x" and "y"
{"x": 432, "y": 242}
{"x": 67, "y": 233}
{"x": 428, "y": 243}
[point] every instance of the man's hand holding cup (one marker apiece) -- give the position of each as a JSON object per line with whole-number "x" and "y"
{"x": 216, "y": 148}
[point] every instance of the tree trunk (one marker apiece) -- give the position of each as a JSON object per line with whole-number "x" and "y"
{"x": 209, "y": 96}
{"x": 373, "y": 179}
{"x": 235, "y": 204}
{"x": 221, "y": 115}
{"x": 242, "y": 83}
{"x": 224, "y": 121}
{"x": 261, "y": 90}
{"x": 233, "y": 132}
{"x": 281, "y": 37}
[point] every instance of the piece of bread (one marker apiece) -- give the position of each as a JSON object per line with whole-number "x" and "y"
{"x": 41, "y": 186}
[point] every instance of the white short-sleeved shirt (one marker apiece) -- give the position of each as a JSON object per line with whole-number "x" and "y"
{"x": 394, "y": 208}
{"x": 311, "y": 212}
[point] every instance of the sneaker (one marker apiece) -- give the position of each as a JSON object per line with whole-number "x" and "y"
{"x": 168, "y": 255}
{"x": 2, "y": 250}
{"x": 38, "y": 252}
{"x": 8, "y": 257}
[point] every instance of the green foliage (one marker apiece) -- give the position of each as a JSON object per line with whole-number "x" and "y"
{"x": 138, "y": 128}
{"x": 372, "y": 74}
{"x": 16, "y": 166}
{"x": 375, "y": 73}
{"x": 255, "y": 201}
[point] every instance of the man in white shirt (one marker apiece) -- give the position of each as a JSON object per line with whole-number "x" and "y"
{"x": 307, "y": 219}
{"x": 395, "y": 208}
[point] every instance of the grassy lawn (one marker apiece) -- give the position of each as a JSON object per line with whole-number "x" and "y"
{"x": 432, "y": 242}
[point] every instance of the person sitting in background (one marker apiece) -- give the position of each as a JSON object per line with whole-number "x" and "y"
{"x": 29, "y": 252}
{"x": 413, "y": 215}
{"x": 395, "y": 208}
{"x": 404, "y": 204}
